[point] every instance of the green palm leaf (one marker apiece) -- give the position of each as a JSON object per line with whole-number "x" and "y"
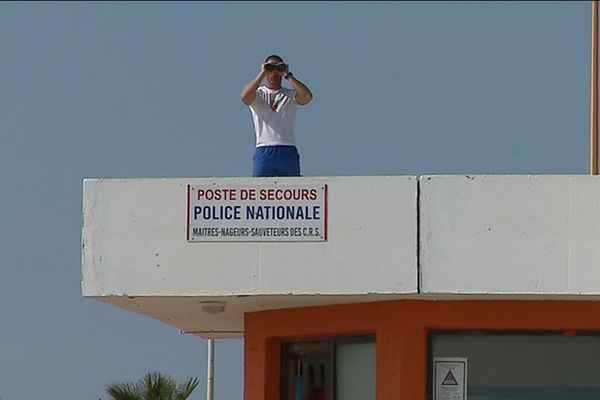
{"x": 123, "y": 391}
{"x": 186, "y": 388}
{"x": 154, "y": 386}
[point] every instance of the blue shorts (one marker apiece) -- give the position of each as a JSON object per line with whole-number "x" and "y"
{"x": 276, "y": 161}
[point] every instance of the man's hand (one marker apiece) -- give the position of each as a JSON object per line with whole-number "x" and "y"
{"x": 263, "y": 70}
{"x": 283, "y": 71}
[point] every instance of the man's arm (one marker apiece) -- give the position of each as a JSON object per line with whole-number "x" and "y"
{"x": 248, "y": 95}
{"x": 303, "y": 93}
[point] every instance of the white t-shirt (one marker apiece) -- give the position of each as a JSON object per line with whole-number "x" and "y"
{"x": 273, "y": 114}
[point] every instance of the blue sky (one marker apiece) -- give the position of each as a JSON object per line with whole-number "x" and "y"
{"x": 151, "y": 89}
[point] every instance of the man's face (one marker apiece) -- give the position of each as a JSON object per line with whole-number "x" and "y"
{"x": 274, "y": 77}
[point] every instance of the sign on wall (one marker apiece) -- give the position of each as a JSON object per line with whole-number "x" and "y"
{"x": 257, "y": 213}
{"x": 449, "y": 378}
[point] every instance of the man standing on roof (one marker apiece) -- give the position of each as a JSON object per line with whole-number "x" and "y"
{"x": 273, "y": 109}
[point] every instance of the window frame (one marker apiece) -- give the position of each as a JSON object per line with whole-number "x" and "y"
{"x": 333, "y": 342}
{"x": 483, "y": 333}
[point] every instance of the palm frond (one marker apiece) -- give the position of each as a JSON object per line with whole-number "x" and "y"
{"x": 123, "y": 391}
{"x": 153, "y": 386}
{"x": 185, "y": 389}
{"x": 158, "y": 386}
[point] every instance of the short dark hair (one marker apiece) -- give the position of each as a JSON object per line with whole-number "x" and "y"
{"x": 274, "y": 57}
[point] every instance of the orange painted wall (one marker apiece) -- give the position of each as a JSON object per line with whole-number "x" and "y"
{"x": 401, "y": 329}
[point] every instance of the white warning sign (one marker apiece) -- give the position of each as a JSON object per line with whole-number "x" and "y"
{"x": 449, "y": 378}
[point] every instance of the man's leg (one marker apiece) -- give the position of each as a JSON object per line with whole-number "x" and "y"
{"x": 263, "y": 162}
{"x": 288, "y": 161}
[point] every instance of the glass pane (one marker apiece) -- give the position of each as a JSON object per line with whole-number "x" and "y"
{"x": 306, "y": 370}
{"x": 355, "y": 370}
{"x": 526, "y": 367}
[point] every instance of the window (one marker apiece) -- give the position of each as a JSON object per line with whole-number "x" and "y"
{"x": 341, "y": 368}
{"x": 524, "y": 366}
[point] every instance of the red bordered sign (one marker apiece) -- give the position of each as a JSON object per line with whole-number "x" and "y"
{"x": 257, "y": 213}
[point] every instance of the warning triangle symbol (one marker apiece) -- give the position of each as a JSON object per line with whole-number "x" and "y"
{"x": 449, "y": 379}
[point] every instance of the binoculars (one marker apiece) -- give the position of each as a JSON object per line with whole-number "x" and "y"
{"x": 275, "y": 67}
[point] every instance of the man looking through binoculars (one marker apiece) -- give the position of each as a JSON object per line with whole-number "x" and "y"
{"x": 273, "y": 110}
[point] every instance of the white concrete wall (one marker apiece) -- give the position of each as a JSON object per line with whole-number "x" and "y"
{"x": 134, "y": 243}
{"x": 485, "y": 236}
{"x": 510, "y": 235}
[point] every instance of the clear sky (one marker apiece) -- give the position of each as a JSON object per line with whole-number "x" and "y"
{"x": 151, "y": 89}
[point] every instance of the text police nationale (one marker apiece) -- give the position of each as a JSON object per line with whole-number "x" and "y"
{"x": 257, "y": 212}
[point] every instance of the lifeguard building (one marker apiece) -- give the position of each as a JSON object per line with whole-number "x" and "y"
{"x": 363, "y": 288}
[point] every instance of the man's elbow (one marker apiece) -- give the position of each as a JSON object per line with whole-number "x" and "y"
{"x": 247, "y": 100}
{"x": 305, "y": 99}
